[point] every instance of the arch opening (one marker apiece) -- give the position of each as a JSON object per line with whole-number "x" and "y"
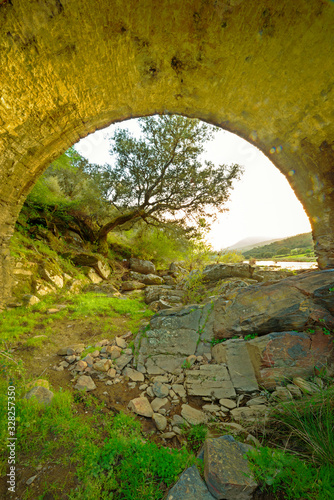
{"x": 262, "y": 207}
{"x": 269, "y": 82}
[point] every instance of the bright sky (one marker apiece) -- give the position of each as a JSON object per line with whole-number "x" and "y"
{"x": 261, "y": 204}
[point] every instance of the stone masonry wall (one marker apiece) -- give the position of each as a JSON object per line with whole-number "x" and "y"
{"x": 259, "y": 69}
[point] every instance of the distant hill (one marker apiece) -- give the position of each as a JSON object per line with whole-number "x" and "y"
{"x": 299, "y": 244}
{"x": 251, "y": 242}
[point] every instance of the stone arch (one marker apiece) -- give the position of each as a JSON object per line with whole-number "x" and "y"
{"x": 261, "y": 70}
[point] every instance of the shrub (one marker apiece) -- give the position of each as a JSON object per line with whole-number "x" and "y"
{"x": 232, "y": 258}
{"x": 196, "y": 435}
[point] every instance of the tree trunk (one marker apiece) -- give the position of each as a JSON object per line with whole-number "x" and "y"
{"x": 102, "y": 245}
{"x": 101, "y": 238}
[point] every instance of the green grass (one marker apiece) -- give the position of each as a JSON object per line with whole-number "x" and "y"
{"x": 305, "y": 468}
{"x": 278, "y": 471}
{"x": 18, "y": 323}
{"x": 110, "y": 454}
{"x": 310, "y": 423}
{"x": 195, "y": 435}
{"x": 90, "y": 304}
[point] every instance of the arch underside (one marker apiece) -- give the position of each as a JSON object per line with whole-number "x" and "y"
{"x": 262, "y": 70}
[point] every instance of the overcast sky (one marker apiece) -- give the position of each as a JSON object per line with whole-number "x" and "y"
{"x": 261, "y": 204}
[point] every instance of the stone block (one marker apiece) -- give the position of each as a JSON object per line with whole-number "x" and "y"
{"x": 210, "y": 380}
{"x": 193, "y": 416}
{"x": 226, "y": 471}
{"x": 240, "y": 367}
{"x": 218, "y": 352}
{"x": 85, "y": 383}
{"x": 41, "y": 394}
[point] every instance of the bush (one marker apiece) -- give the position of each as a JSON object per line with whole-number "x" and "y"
{"x": 232, "y": 258}
{"x": 196, "y": 435}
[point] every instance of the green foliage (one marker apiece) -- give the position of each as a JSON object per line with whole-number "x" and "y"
{"x": 186, "y": 365}
{"x": 160, "y": 177}
{"x": 150, "y": 243}
{"x": 231, "y": 258}
{"x": 194, "y": 288}
{"x": 108, "y": 452}
{"x": 250, "y": 336}
{"x": 93, "y": 304}
{"x": 67, "y": 185}
{"x": 310, "y": 422}
{"x": 282, "y": 472}
{"x": 21, "y": 323}
{"x": 195, "y": 435}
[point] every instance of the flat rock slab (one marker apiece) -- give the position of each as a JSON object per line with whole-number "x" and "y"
{"x": 190, "y": 486}
{"x": 123, "y": 360}
{"x": 158, "y": 403}
{"x": 128, "y": 286}
{"x": 133, "y": 375}
{"x": 226, "y": 472}
{"x": 162, "y": 341}
{"x": 163, "y": 363}
{"x": 193, "y": 416}
{"x": 160, "y": 421}
{"x": 250, "y": 413}
{"x": 240, "y": 367}
{"x": 210, "y": 380}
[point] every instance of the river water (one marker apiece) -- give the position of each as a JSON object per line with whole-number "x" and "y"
{"x": 286, "y": 265}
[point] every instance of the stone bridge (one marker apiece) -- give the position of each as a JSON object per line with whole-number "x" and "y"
{"x": 260, "y": 68}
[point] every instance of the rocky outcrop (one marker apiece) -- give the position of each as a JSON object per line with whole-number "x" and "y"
{"x": 214, "y": 273}
{"x": 217, "y": 272}
{"x": 290, "y": 304}
{"x": 281, "y": 356}
{"x": 266, "y": 360}
{"x": 167, "y": 293}
{"x": 174, "y": 335}
{"x": 147, "y": 279}
{"x": 90, "y": 260}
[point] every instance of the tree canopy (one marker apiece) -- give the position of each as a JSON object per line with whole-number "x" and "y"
{"x": 162, "y": 178}
{"x": 159, "y": 178}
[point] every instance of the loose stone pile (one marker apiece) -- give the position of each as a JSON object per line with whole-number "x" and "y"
{"x": 222, "y": 391}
